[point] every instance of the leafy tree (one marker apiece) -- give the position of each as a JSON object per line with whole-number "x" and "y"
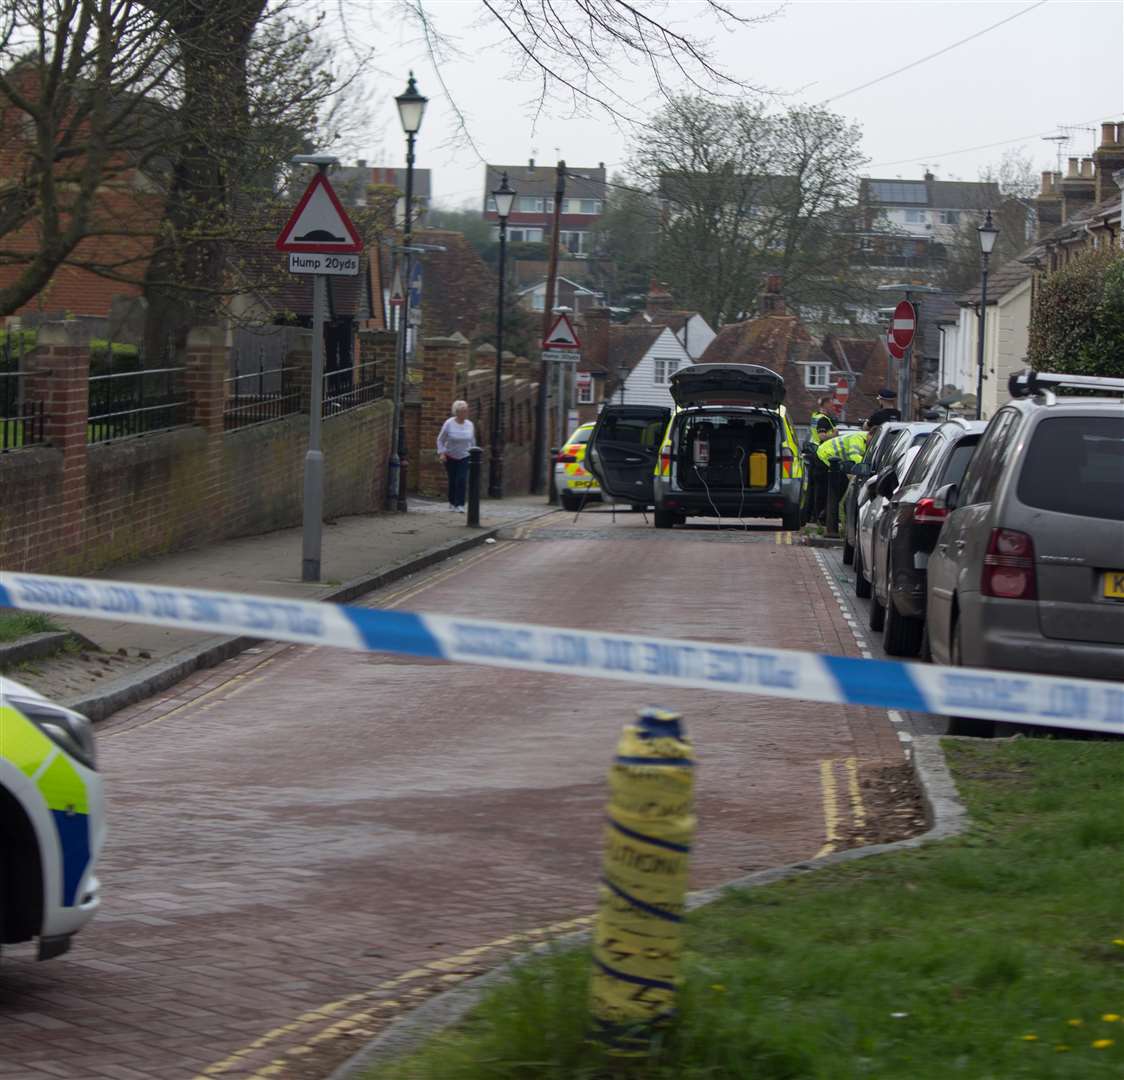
{"x": 1077, "y": 324}
{"x": 961, "y": 269}
{"x": 626, "y": 241}
{"x": 469, "y": 222}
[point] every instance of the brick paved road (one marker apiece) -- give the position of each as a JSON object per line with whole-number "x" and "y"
{"x": 300, "y": 837}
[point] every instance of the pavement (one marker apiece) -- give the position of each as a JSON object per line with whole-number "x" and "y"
{"x": 359, "y": 554}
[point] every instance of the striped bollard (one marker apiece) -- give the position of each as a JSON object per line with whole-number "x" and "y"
{"x": 637, "y": 939}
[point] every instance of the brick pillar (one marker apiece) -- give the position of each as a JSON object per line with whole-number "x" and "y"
{"x": 206, "y": 361}
{"x": 484, "y": 358}
{"x": 440, "y": 359}
{"x": 379, "y": 347}
{"x": 61, "y": 379}
{"x": 298, "y": 362}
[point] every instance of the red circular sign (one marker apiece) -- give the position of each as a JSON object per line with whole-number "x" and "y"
{"x": 842, "y": 390}
{"x": 903, "y": 324}
{"x": 892, "y": 348}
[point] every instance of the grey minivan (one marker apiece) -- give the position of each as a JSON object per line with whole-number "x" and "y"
{"x": 1028, "y": 571}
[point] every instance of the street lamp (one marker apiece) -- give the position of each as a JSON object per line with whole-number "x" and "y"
{"x": 411, "y": 109}
{"x": 505, "y": 199}
{"x": 988, "y": 235}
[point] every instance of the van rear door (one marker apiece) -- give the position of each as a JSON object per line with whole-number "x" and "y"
{"x": 624, "y": 449}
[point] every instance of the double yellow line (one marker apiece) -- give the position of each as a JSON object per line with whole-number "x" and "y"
{"x": 842, "y": 801}
{"x": 783, "y": 537}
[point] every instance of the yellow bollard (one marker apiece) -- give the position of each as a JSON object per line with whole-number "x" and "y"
{"x": 637, "y": 939}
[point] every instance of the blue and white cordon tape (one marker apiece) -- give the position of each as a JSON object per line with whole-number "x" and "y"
{"x": 993, "y": 695}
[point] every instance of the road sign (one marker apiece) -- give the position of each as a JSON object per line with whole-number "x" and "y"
{"x": 561, "y": 356}
{"x": 892, "y": 348}
{"x": 583, "y": 380}
{"x": 396, "y": 297}
{"x": 842, "y": 390}
{"x": 904, "y": 324}
{"x": 319, "y": 223}
{"x": 416, "y": 285}
{"x": 562, "y": 335}
{"x": 316, "y": 263}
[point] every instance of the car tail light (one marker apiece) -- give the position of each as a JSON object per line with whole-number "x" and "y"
{"x": 786, "y": 462}
{"x": 665, "y": 462}
{"x": 565, "y": 459}
{"x": 1008, "y": 570}
{"x": 928, "y": 513}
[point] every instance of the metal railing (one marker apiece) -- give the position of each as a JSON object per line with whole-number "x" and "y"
{"x": 22, "y": 422}
{"x": 256, "y": 397}
{"x": 126, "y": 403}
{"x": 348, "y": 388}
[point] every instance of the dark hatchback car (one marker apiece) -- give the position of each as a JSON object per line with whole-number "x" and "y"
{"x": 878, "y": 449}
{"x": 906, "y": 533}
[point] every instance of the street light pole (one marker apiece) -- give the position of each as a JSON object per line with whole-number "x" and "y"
{"x": 411, "y": 109}
{"x": 505, "y": 199}
{"x": 988, "y": 234}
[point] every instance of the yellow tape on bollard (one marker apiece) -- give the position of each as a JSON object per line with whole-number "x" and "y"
{"x": 637, "y": 939}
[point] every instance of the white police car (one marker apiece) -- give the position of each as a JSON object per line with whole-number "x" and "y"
{"x": 52, "y": 820}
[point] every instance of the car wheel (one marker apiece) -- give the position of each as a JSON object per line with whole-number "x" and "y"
{"x": 848, "y": 553}
{"x": 571, "y": 502}
{"x": 876, "y": 616}
{"x": 862, "y": 586}
{"x": 663, "y": 519}
{"x": 901, "y": 636}
{"x": 966, "y": 725}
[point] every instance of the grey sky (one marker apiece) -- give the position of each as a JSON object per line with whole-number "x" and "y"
{"x": 1060, "y": 63}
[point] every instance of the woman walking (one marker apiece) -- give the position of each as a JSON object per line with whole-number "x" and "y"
{"x": 457, "y": 437}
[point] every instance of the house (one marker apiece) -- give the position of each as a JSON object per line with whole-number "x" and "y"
{"x": 532, "y": 216}
{"x": 567, "y": 294}
{"x": 691, "y": 329}
{"x": 779, "y": 340}
{"x": 909, "y": 223}
{"x": 352, "y": 182}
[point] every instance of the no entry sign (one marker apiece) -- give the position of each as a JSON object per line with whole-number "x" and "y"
{"x": 892, "y": 347}
{"x": 903, "y": 325}
{"x": 842, "y": 390}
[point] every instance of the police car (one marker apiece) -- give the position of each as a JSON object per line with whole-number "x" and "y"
{"x": 726, "y": 450}
{"x": 52, "y": 821}
{"x": 576, "y": 486}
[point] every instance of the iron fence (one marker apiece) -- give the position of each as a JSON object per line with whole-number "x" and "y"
{"x": 22, "y": 421}
{"x": 348, "y": 388}
{"x": 258, "y": 396}
{"x": 125, "y": 403}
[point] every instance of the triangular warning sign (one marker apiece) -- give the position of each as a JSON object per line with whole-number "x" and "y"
{"x": 396, "y": 289}
{"x": 561, "y": 335}
{"x": 319, "y": 223}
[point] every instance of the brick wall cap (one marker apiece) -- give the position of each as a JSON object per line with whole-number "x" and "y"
{"x": 454, "y": 339}
{"x": 488, "y": 350}
{"x": 207, "y": 337}
{"x": 65, "y": 333}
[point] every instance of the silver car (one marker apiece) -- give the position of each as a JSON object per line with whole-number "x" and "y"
{"x": 1028, "y": 571}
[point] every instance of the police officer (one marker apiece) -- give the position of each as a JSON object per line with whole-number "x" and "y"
{"x": 840, "y": 455}
{"x": 816, "y": 434}
{"x": 817, "y": 471}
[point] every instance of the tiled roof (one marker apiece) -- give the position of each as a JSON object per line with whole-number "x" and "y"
{"x": 1000, "y": 282}
{"x": 935, "y": 194}
{"x": 351, "y": 181}
{"x": 628, "y": 345}
{"x": 539, "y": 180}
{"x": 458, "y": 287}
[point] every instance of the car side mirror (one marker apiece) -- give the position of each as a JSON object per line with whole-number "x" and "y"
{"x": 862, "y": 469}
{"x": 888, "y": 484}
{"x": 946, "y": 498}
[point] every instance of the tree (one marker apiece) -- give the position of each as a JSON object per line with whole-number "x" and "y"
{"x": 626, "y": 241}
{"x": 961, "y": 268}
{"x": 1077, "y": 324}
{"x": 744, "y": 191}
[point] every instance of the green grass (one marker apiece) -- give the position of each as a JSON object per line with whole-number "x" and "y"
{"x": 991, "y": 956}
{"x": 17, "y": 624}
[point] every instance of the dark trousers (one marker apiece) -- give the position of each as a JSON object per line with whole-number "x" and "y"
{"x": 458, "y": 480}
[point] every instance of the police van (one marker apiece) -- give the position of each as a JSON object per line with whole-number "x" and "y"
{"x": 52, "y": 821}
{"x": 726, "y": 450}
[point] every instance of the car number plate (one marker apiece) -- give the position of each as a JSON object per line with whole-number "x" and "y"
{"x": 583, "y": 483}
{"x": 1114, "y": 584}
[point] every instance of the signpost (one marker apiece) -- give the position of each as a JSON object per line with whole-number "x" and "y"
{"x": 903, "y": 325}
{"x": 562, "y": 347}
{"x": 321, "y": 241}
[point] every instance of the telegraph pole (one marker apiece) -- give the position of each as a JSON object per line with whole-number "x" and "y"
{"x": 542, "y": 442}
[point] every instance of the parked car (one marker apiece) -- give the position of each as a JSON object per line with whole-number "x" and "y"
{"x": 727, "y": 449}
{"x": 1028, "y": 571}
{"x": 52, "y": 821}
{"x": 576, "y": 486}
{"x": 906, "y": 532}
{"x": 870, "y": 503}
{"x": 878, "y": 447}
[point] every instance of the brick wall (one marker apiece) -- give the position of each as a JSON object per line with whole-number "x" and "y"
{"x": 73, "y": 508}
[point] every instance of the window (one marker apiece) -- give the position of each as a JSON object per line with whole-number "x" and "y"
{"x": 982, "y": 477}
{"x": 525, "y": 236}
{"x": 1075, "y": 465}
{"x": 528, "y": 204}
{"x": 664, "y": 369}
{"x": 950, "y": 217}
{"x": 490, "y": 204}
{"x": 581, "y": 206}
{"x": 538, "y": 300}
{"x": 958, "y": 460}
{"x": 817, "y": 376}
{"x": 574, "y": 242}
{"x": 924, "y": 460}
{"x": 915, "y": 217}
{"x": 585, "y": 397}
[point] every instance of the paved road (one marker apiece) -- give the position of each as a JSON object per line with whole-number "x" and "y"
{"x": 304, "y": 841}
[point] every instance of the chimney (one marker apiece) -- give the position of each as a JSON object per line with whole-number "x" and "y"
{"x": 361, "y": 163}
{"x": 658, "y": 299}
{"x": 595, "y": 339}
{"x": 772, "y": 299}
{"x": 531, "y": 164}
{"x": 1078, "y": 188}
{"x": 929, "y": 176}
{"x": 1109, "y": 158}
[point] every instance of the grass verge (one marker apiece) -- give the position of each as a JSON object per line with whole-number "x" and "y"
{"x": 18, "y": 624}
{"x": 997, "y": 955}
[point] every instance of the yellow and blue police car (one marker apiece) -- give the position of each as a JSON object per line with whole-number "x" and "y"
{"x": 575, "y": 483}
{"x": 52, "y": 821}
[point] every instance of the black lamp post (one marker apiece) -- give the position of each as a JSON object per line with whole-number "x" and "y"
{"x": 988, "y": 235}
{"x": 505, "y": 199}
{"x": 411, "y": 109}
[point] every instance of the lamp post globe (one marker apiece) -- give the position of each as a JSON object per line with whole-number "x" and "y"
{"x": 988, "y": 233}
{"x": 411, "y": 107}
{"x": 504, "y": 197}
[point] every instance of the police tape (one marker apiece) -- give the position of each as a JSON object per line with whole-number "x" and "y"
{"x": 1081, "y": 704}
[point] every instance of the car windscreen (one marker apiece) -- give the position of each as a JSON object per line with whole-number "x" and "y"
{"x": 580, "y": 436}
{"x": 1075, "y": 465}
{"x": 640, "y": 431}
{"x": 957, "y": 463}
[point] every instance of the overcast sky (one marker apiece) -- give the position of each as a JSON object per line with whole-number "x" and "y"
{"x": 1059, "y": 63}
